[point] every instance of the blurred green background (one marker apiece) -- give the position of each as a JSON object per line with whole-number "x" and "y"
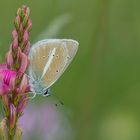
{"x": 101, "y": 87}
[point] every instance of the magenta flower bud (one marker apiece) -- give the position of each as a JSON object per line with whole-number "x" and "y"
{"x": 4, "y": 89}
{"x": 25, "y": 37}
{"x": 23, "y": 85}
{"x": 14, "y": 34}
{"x": 28, "y": 88}
{"x": 19, "y": 54}
{"x": 12, "y": 81}
{"x": 29, "y": 26}
{"x": 12, "y": 116}
{"x": 20, "y": 29}
{"x": 27, "y": 48}
{"x": 26, "y": 10}
{"x": 15, "y": 44}
{"x": 9, "y": 57}
{"x": 23, "y": 64}
{"x": 22, "y": 105}
{"x": 17, "y": 22}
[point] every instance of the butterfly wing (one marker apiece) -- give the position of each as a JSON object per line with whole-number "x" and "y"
{"x": 38, "y": 57}
{"x": 49, "y": 59}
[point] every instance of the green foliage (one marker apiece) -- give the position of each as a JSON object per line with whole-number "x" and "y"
{"x": 103, "y": 81}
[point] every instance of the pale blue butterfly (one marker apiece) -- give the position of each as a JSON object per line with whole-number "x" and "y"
{"x": 48, "y": 60}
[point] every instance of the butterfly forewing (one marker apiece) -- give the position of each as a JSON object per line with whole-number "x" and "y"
{"x": 57, "y": 65}
{"x": 38, "y": 60}
{"x": 72, "y": 47}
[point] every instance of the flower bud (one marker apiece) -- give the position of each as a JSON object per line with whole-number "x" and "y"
{"x": 17, "y": 22}
{"x": 29, "y": 26}
{"x": 20, "y": 29}
{"x": 25, "y": 20}
{"x": 9, "y": 57}
{"x": 25, "y": 37}
{"x": 28, "y": 89}
{"x": 14, "y": 34}
{"x": 23, "y": 64}
{"x": 27, "y": 48}
{"x": 12, "y": 116}
{"x": 19, "y": 11}
{"x": 27, "y": 11}
{"x": 5, "y": 100}
{"x": 12, "y": 81}
{"x": 22, "y": 105}
{"x": 15, "y": 44}
{"x": 23, "y": 85}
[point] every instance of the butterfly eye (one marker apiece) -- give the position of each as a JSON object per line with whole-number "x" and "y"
{"x": 57, "y": 71}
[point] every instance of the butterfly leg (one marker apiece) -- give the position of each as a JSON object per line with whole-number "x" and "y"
{"x": 31, "y": 97}
{"x": 28, "y": 76}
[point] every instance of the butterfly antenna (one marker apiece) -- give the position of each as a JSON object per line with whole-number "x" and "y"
{"x": 58, "y": 100}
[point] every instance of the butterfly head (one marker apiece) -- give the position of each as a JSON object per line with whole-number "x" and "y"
{"x": 37, "y": 87}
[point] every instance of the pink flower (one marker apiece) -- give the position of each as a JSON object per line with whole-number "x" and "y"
{"x": 7, "y": 80}
{"x": 14, "y": 83}
{"x": 8, "y": 77}
{"x": 4, "y": 89}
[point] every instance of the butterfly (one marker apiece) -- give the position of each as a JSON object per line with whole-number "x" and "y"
{"x": 49, "y": 59}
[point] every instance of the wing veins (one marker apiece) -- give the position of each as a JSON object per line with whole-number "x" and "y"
{"x": 48, "y": 62}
